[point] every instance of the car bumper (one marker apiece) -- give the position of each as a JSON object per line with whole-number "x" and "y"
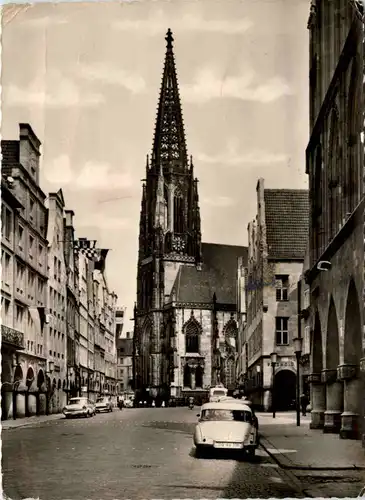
{"x": 75, "y": 413}
{"x": 101, "y": 409}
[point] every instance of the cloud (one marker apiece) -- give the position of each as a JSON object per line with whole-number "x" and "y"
{"x": 102, "y": 221}
{"x": 219, "y": 201}
{"x": 60, "y": 94}
{"x": 157, "y": 22}
{"x": 92, "y": 176}
{"x": 112, "y": 75}
{"x": 236, "y": 159}
{"x": 43, "y": 22}
{"x": 209, "y": 85}
{"x": 9, "y": 12}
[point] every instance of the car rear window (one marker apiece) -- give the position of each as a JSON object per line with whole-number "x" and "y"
{"x": 219, "y": 393}
{"x": 227, "y": 415}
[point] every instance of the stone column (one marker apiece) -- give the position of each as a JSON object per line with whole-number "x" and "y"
{"x": 350, "y": 418}
{"x": 318, "y": 401}
{"x": 334, "y": 402}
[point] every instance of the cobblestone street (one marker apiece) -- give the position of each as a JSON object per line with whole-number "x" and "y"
{"x": 136, "y": 453}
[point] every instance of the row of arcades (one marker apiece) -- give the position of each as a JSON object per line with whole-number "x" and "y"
{"x": 25, "y": 393}
{"x": 337, "y": 386}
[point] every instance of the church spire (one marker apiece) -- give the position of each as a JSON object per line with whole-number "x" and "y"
{"x": 169, "y": 146}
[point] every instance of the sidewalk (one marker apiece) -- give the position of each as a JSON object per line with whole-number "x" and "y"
{"x": 22, "y": 422}
{"x": 301, "y": 448}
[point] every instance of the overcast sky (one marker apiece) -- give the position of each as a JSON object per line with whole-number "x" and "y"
{"x": 86, "y": 76}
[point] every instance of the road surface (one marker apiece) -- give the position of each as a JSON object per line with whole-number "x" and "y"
{"x": 130, "y": 454}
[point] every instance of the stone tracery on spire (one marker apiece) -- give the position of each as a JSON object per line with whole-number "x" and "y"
{"x": 169, "y": 146}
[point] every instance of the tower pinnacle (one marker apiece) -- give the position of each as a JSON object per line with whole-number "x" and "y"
{"x": 169, "y": 39}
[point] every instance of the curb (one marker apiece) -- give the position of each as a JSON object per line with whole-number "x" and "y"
{"x": 26, "y": 424}
{"x": 292, "y": 478}
{"x": 302, "y": 467}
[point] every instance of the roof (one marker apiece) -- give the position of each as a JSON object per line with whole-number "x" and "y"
{"x": 225, "y": 405}
{"x": 218, "y": 275}
{"x": 287, "y": 223}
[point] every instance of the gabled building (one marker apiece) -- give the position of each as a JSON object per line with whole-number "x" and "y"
{"x": 277, "y": 241}
{"x": 56, "y": 330}
{"x": 25, "y": 230}
{"x": 335, "y": 167}
{"x": 185, "y": 316}
{"x": 125, "y": 362}
{"x": 73, "y": 379}
{"x": 12, "y": 335}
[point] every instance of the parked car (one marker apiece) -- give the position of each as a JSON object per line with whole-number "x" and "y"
{"x": 103, "y": 404}
{"x": 79, "y": 407}
{"x": 216, "y": 393}
{"x": 226, "y": 425}
{"x": 128, "y": 403}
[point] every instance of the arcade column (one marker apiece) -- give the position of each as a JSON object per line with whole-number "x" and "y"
{"x": 350, "y": 418}
{"x": 318, "y": 401}
{"x": 334, "y": 402}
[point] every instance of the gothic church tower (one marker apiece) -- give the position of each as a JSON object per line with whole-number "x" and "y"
{"x": 170, "y": 232}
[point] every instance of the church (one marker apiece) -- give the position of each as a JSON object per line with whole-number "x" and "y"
{"x": 185, "y": 317}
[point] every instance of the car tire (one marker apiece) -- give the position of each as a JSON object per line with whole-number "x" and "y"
{"x": 251, "y": 452}
{"x": 199, "y": 451}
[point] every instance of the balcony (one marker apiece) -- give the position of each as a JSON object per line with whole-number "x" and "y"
{"x": 11, "y": 337}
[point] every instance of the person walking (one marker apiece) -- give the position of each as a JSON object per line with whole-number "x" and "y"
{"x": 304, "y": 403}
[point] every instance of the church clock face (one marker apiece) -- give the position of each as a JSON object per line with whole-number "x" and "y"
{"x": 178, "y": 244}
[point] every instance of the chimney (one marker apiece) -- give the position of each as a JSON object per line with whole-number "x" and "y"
{"x": 69, "y": 218}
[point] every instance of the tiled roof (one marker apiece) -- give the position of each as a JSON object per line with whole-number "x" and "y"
{"x": 218, "y": 274}
{"x": 287, "y": 222}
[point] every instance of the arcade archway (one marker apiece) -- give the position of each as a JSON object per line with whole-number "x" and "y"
{"x": 285, "y": 390}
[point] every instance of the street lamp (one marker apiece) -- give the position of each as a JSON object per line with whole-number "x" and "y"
{"x": 298, "y": 352}
{"x": 274, "y": 358}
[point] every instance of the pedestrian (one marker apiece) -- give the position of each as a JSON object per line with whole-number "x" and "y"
{"x": 163, "y": 404}
{"x": 153, "y": 403}
{"x": 304, "y": 403}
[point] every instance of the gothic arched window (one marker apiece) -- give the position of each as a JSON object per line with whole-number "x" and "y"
{"x": 192, "y": 337}
{"x": 354, "y": 116}
{"x": 187, "y": 376}
{"x": 178, "y": 213}
{"x": 333, "y": 146}
{"x": 318, "y": 202}
{"x": 230, "y": 334}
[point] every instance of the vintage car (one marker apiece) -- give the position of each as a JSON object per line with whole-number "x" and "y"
{"x": 242, "y": 401}
{"x": 103, "y": 404}
{"x": 226, "y": 425}
{"x": 216, "y": 393}
{"x": 79, "y": 407}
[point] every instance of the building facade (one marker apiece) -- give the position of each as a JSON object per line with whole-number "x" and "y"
{"x": 97, "y": 305}
{"x": 241, "y": 320}
{"x": 305, "y": 331}
{"x": 73, "y": 379}
{"x": 125, "y": 363}
{"x": 55, "y": 329}
{"x": 24, "y": 245}
{"x": 185, "y": 316}
{"x": 335, "y": 166}
{"x": 12, "y": 339}
{"x": 277, "y": 242}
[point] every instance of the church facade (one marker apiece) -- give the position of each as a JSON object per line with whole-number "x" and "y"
{"x": 185, "y": 314}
